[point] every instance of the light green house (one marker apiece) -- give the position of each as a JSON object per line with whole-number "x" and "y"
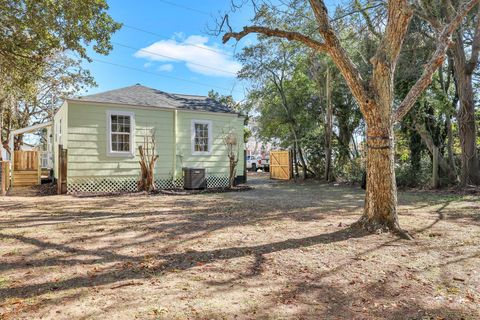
{"x": 102, "y": 133}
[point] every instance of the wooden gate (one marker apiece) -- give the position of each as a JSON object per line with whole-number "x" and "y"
{"x": 26, "y": 168}
{"x": 281, "y": 165}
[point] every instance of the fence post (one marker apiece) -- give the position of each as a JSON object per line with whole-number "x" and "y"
{"x": 4, "y": 176}
{"x": 62, "y": 170}
{"x": 39, "y": 166}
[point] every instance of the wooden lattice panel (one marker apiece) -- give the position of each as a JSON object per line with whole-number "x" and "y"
{"x": 217, "y": 182}
{"x": 114, "y": 185}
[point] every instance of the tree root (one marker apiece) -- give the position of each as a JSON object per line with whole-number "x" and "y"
{"x": 377, "y": 227}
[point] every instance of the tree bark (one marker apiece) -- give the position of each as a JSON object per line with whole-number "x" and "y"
{"x": 380, "y": 211}
{"x": 302, "y": 161}
{"x": 470, "y": 171}
{"x": 328, "y": 128}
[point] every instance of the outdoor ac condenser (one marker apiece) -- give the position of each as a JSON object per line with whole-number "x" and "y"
{"x": 194, "y": 178}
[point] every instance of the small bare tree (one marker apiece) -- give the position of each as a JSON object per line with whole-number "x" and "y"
{"x": 230, "y": 140}
{"x": 148, "y": 158}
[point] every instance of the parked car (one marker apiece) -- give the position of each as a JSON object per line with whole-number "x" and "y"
{"x": 265, "y": 163}
{"x": 254, "y": 163}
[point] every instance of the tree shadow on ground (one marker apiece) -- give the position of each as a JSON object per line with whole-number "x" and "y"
{"x": 168, "y": 262}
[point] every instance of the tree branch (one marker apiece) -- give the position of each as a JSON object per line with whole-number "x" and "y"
{"x": 339, "y": 56}
{"x": 443, "y": 43}
{"x": 472, "y": 63}
{"x": 289, "y": 35}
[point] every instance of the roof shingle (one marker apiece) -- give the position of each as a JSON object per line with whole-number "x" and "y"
{"x": 139, "y": 95}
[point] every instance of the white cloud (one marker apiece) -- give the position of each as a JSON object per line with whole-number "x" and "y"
{"x": 195, "y": 53}
{"x": 165, "y": 67}
{"x": 147, "y": 64}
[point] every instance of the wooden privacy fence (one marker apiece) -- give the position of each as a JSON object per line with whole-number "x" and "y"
{"x": 5, "y": 176}
{"x": 281, "y": 165}
{"x": 26, "y": 168}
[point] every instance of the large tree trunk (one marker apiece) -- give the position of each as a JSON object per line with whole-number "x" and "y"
{"x": 380, "y": 211}
{"x": 470, "y": 171}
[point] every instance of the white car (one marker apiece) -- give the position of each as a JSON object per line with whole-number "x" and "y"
{"x": 254, "y": 163}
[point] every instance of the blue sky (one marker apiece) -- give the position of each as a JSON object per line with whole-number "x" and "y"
{"x": 165, "y": 44}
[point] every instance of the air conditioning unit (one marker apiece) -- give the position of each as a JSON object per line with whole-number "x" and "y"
{"x": 194, "y": 178}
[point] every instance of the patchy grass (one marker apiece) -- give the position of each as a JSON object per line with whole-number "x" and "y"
{"x": 279, "y": 251}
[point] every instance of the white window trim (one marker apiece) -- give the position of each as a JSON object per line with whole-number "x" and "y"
{"x": 201, "y": 153}
{"x": 110, "y": 152}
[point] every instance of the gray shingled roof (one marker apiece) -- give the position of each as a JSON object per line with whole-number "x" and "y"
{"x": 139, "y": 95}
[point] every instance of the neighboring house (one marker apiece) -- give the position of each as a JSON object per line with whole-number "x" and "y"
{"x": 102, "y": 133}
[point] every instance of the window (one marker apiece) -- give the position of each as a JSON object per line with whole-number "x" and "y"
{"x": 201, "y": 137}
{"x": 121, "y": 128}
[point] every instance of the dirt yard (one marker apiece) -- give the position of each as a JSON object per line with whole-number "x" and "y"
{"x": 281, "y": 251}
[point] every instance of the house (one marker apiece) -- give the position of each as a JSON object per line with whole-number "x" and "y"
{"x": 102, "y": 133}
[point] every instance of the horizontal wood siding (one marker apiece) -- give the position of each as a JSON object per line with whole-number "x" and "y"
{"x": 217, "y": 162}
{"x": 87, "y": 140}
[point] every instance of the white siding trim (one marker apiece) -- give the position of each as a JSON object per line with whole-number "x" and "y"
{"x": 124, "y": 154}
{"x": 192, "y": 127}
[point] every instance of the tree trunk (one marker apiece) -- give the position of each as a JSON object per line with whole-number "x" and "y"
{"x": 427, "y": 139}
{"x": 380, "y": 211}
{"x": 231, "y": 174}
{"x": 328, "y": 129}
{"x": 470, "y": 171}
{"x": 302, "y": 161}
{"x": 295, "y": 160}
{"x": 451, "y": 159}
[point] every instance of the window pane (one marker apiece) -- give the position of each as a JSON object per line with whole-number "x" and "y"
{"x": 120, "y": 123}
{"x": 120, "y": 142}
{"x": 201, "y": 137}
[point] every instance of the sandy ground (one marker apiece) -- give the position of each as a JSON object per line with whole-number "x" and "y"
{"x": 281, "y": 251}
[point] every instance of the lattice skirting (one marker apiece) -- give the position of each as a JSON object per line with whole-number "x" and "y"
{"x": 129, "y": 184}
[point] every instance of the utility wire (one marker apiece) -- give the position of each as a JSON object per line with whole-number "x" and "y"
{"x": 170, "y": 38}
{"x": 184, "y": 7}
{"x": 226, "y": 90}
{"x": 172, "y": 58}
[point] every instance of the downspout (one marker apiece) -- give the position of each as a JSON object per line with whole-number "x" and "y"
{"x": 174, "y": 145}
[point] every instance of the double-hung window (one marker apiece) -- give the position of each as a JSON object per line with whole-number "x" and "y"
{"x": 121, "y": 129}
{"x": 201, "y": 137}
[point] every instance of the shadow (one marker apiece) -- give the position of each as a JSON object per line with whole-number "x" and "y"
{"x": 154, "y": 238}
{"x": 169, "y": 262}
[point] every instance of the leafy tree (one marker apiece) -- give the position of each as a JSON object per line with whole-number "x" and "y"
{"x": 35, "y": 32}
{"x": 374, "y": 91}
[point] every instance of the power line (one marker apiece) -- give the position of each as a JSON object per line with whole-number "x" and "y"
{"x": 185, "y": 7}
{"x": 172, "y": 58}
{"x": 169, "y": 38}
{"x": 161, "y": 75}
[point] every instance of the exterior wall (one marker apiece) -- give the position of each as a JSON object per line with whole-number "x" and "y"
{"x": 87, "y": 139}
{"x": 216, "y": 163}
{"x": 60, "y": 124}
{"x": 90, "y": 168}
